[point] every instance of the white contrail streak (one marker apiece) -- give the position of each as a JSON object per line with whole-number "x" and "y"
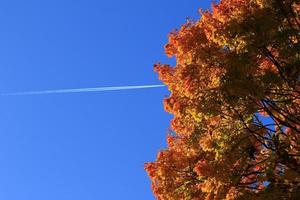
{"x": 80, "y": 90}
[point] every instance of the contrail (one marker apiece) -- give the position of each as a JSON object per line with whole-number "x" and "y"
{"x": 80, "y": 90}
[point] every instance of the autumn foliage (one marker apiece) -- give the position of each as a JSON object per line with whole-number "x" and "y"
{"x": 235, "y": 97}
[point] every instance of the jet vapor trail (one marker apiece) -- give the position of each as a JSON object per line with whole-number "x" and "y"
{"x": 80, "y": 90}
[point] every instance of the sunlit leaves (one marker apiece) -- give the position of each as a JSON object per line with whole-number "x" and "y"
{"x": 235, "y": 97}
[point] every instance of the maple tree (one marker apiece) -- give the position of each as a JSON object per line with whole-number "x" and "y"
{"x": 235, "y": 97}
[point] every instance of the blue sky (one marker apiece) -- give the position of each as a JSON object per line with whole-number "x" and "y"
{"x": 89, "y": 145}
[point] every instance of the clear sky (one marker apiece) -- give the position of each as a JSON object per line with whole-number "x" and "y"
{"x": 84, "y": 146}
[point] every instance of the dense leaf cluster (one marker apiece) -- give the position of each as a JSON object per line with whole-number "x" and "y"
{"x": 235, "y": 97}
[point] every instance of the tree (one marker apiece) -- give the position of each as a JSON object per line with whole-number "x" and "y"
{"x": 235, "y": 97}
